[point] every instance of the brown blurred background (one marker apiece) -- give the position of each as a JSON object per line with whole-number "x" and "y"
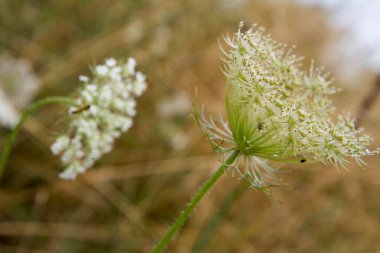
{"x": 127, "y": 201}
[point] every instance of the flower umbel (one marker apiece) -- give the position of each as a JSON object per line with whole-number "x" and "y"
{"x": 277, "y": 112}
{"x": 106, "y": 106}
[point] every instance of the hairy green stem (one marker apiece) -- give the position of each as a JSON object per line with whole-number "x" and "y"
{"x": 173, "y": 229}
{"x": 208, "y": 231}
{"x": 33, "y": 107}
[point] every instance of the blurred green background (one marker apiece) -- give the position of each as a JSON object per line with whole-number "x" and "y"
{"x": 127, "y": 201}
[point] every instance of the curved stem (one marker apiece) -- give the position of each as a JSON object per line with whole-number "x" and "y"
{"x": 193, "y": 203}
{"x": 24, "y": 116}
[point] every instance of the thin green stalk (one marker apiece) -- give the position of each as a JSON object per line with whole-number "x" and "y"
{"x": 173, "y": 229}
{"x": 40, "y": 103}
{"x": 214, "y": 222}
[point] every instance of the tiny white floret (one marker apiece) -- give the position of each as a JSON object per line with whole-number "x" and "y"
{"x": 102, "y": 70}
{"x": 83, "y": 78}
{"x": 111, "y": 62}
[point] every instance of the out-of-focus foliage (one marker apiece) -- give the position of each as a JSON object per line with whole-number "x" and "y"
{"x": 126, "y": 202}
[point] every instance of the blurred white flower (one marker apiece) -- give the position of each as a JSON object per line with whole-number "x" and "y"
{"x": 171, "y": 109}
{"x": 111, "y": 62}
{"x": 173, "y": 106}
{"x": 18, "y": 85}
{"x": 106, "y": 105}
{"x": 83, "y": 78}
{"x": 179, "y": 141}
{"x": 134, "y": 31}
{"x": 161, "y": 42}
{"x": 8, "y": 115}
{"x": 358, "y": 22}
{"x": 101, "y": 70}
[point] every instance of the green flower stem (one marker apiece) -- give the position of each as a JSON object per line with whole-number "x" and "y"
{"x": 40, "y": 103}
{"x": 193, "y": 203}
{"x": 208, "y": 230}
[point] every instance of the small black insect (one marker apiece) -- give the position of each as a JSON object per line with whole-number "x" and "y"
{"x": 84, "y": 108}
{"x": 260, "y": 126}
{"x": 303, "y": 160}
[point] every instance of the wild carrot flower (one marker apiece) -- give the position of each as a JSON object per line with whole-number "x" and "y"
{"x": 105, "y": 107}
{"x": 277, "y": 112}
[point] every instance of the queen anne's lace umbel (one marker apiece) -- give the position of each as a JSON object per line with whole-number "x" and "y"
{"x": 106, "y": 106}
{"x": 277, "y": 112}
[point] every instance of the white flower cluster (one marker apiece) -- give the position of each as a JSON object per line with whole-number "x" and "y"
{"x": 105, "y": 109}
{"x": 278, "y": 112}
{"x": 358, "y": 22}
